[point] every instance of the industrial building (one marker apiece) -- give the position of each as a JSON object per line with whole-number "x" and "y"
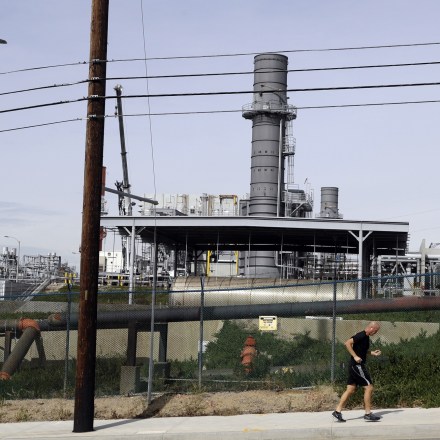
{"x": 29, "y": 274}
{"x": 271, "y": 232}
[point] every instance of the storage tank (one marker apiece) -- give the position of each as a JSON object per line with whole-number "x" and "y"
{"x": 329, "y": 202}
{"x": 224, "y": 291}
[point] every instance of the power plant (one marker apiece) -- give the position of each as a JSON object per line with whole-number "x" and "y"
{"x": 262, "y": 253}
{"x": 267, "y": 234}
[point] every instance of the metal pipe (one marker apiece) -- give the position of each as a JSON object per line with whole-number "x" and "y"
{"x": 202, "y": 302}
{"x": 280, "y": 167}
{"x": 132, "y": 262}
{"x": 152, "y": 323}
{"x": 9, "y": 324}
{"x": 332, "y": 374}
{"x": 287, "y": 310}
{"x": 66, "y": 361}
{"x": 31, "y": 330}
{"x": 132, "y": 196}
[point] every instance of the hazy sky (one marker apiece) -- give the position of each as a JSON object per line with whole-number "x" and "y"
{"x": 384, "y": 159}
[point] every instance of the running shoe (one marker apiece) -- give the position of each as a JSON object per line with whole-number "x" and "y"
{"x": 371, "y": 417}
{"x": 338, "y": 416}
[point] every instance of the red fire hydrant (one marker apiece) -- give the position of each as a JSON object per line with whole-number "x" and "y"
{"x": 248, "y": 354}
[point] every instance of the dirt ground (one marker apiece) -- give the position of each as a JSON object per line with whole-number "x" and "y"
{"x": 180, "y": 405}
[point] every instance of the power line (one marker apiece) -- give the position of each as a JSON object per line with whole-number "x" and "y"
{"x": 317, "y": 69}
{"x": 372, "y": 104}
{"x": 52, "y": 86}
{"x": 241, "y": 92}
{"x": 331, "y": 49}
{"x": 214, "y": 74}
{"x": 311, "y": 89}
{"x": 315, "y": 107}
{"x": 48, "y": 104}
{"x": 29, "y": 69}
{"x": 384, "y": 46}
{"x": 43, "y": 124}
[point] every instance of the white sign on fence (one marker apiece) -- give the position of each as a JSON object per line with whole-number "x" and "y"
{"x": 268, "y": 323}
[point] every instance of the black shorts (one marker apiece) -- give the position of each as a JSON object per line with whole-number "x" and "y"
{"x": 359, "y": 375}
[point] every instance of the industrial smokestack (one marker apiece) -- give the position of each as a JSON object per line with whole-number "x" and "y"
{"x": 269, "y": 112}
{"x": 329, "y": 202}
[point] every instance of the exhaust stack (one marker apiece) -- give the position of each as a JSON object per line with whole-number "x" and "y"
{"x": 269, "y": 113}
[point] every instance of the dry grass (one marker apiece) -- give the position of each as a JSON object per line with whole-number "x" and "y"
{"x": 180, "y": 405}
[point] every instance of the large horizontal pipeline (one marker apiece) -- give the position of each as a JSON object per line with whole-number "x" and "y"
{"x": 19, "y": 325}
{"x": 106, "y": 320}
{"x": 235, "y": 291}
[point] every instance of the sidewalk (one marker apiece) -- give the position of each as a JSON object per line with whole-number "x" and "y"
{"x": 396, "y": 424}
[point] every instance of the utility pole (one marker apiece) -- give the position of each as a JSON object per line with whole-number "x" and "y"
{"x": 86, "y": 352}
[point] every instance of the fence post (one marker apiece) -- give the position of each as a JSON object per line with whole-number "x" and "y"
{"x": 66, "y": 362}
{"x": 152, "y": 322}
{"x": 333, "y": 362}
{"x": 202, "y": 306}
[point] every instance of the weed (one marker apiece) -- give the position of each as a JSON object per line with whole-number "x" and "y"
{"x": 194, "y": 406}
{"x": 23, "y": 415}
{"x": 63, "y": 414}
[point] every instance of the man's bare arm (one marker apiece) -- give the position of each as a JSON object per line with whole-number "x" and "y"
{"x": 349, "y": 345}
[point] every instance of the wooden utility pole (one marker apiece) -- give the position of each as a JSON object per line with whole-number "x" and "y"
{"x": 86, "y": 353}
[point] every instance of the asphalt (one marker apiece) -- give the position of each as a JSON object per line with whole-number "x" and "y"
{"x": 414, "y": 424}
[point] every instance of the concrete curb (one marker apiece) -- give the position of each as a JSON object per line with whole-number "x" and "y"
{"x": 396, "y": 424}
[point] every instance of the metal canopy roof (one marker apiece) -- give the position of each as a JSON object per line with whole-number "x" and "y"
{"x": 244, "y": 233}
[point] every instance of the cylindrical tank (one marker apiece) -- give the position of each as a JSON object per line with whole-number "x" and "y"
{"x": 235, "y": 291}
{"x": 329, "y": 202}
{"x": 269, "y": 111}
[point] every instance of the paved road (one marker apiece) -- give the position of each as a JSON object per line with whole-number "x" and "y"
{"x": 395, "y": 424}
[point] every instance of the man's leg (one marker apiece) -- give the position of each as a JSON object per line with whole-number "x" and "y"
{"x": 347, "y": 393}
{"x": 368, "y": 392}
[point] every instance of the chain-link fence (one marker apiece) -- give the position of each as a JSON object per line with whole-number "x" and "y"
{"x": 248, "y": 334}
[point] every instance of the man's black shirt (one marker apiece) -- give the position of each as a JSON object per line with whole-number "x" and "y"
{"x": 360, "y": 346}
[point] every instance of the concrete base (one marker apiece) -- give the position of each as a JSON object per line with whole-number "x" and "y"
{"x": 162, "y": 369}
{"x": 130, "y": 380}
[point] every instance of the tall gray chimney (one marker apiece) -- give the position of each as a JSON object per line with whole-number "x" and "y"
{"x": 269, "y": 112}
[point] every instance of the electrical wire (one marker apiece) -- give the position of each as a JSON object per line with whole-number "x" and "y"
{"x": 313, "y": 69}
{"x": 52, "y": 86}
{"x": 43, "y": 124}
{"x": 240, "y": 92}
{"x": 243, "y": 92}
{"x": 30, "y": 69}
{"x": 331, "y": 49}
{"x": 432, "y": 101}
{"x": 314, "y": 107}
{"x": 383, "y": 46}
{"x": 317, "y": 107}
{"x": 47, "y": 104}
{"x": 153, "y": 296}
{"x": 215, "y": 74}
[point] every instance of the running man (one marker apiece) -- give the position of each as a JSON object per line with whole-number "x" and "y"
{"x": 358, "y": 375}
